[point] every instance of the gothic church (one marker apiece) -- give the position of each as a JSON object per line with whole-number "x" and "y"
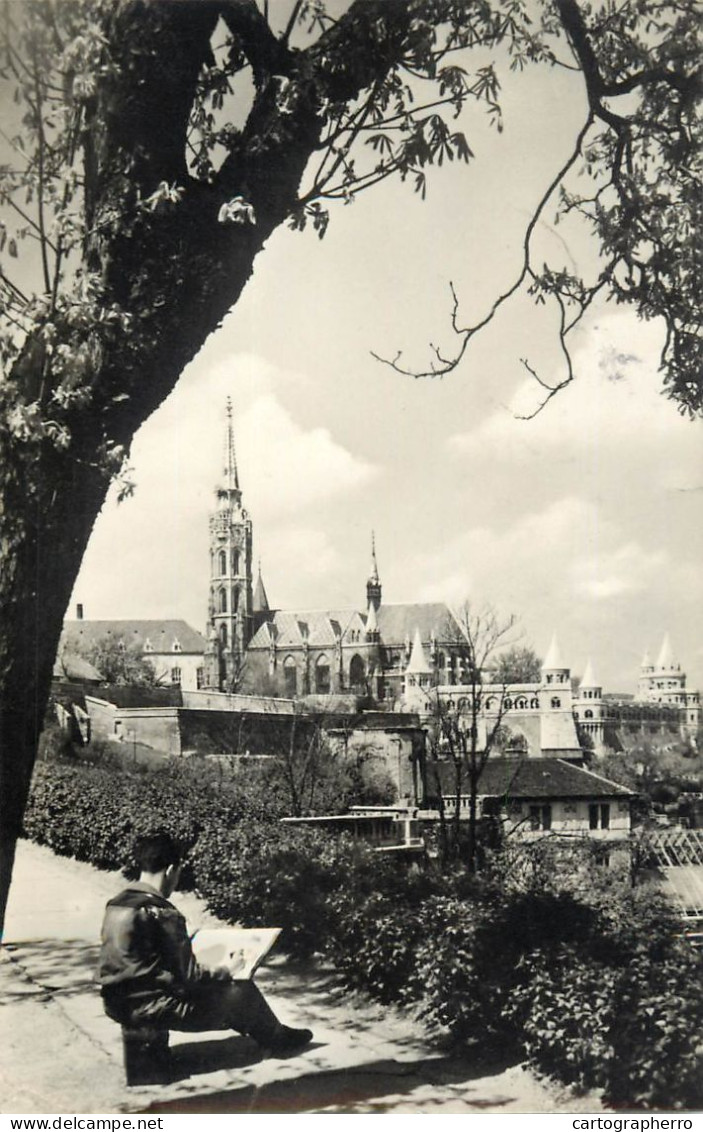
{"x": 256, "y": 649}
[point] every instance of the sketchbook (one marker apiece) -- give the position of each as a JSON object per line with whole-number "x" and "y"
{"x": 241, "y": 950}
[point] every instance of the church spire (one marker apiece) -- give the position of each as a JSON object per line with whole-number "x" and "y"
{"x": 230, "y": 470}
{"x": 230, "y": 599}
{"x": 373, "y": 585}
{"x": 261, "y": 601}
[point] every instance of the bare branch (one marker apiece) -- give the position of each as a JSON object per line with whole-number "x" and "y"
{"x": 467, "y": 333}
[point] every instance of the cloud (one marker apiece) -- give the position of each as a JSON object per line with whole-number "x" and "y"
{"x": 614, "y": 403}
{"x": 627, "y": 569}
{"x": 288, "y": 468}
{"x": 286, "y": 471}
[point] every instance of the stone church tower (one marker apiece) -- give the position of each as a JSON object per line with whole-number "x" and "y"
{"x": 230, "y": 599}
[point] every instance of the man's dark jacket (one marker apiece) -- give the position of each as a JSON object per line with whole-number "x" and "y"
{"x": 146, "y": 955}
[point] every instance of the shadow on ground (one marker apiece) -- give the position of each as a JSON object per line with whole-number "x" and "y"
{"x": 189, "y": 1059}
{"x": 343, "y": 1089}
{"x": 64, "y": 966}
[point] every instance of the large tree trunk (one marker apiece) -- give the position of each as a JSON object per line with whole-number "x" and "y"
{"x": 175, "y": 273}
{"x": 160, "y": 280}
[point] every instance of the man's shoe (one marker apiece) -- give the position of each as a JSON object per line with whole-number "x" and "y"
{"x": 287, "y": 1040}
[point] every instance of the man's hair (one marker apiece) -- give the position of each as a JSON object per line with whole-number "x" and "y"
{"x": 156, "y": 851}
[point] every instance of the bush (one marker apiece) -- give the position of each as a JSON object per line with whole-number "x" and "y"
{"x": 559, "y": 962}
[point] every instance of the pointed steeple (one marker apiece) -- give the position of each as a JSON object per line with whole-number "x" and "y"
{"x": 588, "y": 680}
{"x": 665, "y": 660}
{"x": 228, "y": 492}
{"x": 230, "y": 599}
{"x": 646, "y": 664}
{"x": 418, "y": 662}
{"x": 231, "y": 472}
{"x": 261, "y": 601}
{"x": 373, "y": 585}
{"x": 553, "y": 658}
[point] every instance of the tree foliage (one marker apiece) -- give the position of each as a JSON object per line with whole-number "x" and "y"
{"x": 120, "y": 662}
{"x": 518, "y": 665}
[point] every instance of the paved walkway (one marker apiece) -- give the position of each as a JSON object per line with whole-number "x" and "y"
{"x": 61, "y": 1054}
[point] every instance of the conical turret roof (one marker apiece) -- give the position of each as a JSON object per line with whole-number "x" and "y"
{"x": 418, "y": 661}
{"x": 588, "y": 680}
{"x": 553, "y": 657}
{"x": 666, "y": 654}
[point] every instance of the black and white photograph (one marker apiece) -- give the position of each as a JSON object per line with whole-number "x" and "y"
{"x": 351, "y": 530}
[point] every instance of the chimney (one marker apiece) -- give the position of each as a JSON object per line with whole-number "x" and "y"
{"x": 79, "y": 612}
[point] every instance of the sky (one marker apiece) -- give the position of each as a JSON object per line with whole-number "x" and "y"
{"x": 585, "y": 521}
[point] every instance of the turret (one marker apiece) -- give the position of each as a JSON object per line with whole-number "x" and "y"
{"x": 373, "y": 585}
{"x": 589, "y": 688}
{"x": 553, "y": 671}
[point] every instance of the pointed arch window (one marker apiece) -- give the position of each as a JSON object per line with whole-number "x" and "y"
{"x": 235, "y": 562}
{"x": 357, "y": 672}
{"x": 322, "y": 675}
{"x": 223, "y": 634}
{"x": 223, "y": 600}
{"x": 235, "y": 600}
{"x": 290, "y": 674}
{"x": 222, "y": 560}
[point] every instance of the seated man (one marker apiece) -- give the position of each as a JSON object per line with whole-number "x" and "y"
{"x": 149, "y": 976}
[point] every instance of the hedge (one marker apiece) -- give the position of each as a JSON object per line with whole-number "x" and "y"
{"x": 591, "y": 985}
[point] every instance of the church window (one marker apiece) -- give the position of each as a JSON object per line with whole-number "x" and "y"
{"x": 588, "y": 714}
{"x": 357, "y": 672}
{"x": 534, "y": 703}
{"x": 200, "y": 677}
{"x": 556, "y": 702}
{"x": 290, "y": 675}
{"x": 441, "y": 660}
{"x": 235, "y": 562}
{"x": 521, "y": 704}
{"x": 322, "y": 675}
{"x": 235, "y": 600}
{"x": 507, "y": 704}
{"x": 223, "y": 634}
{"x": 175, "y": 675}
{"x": 223, "y": 562}
{"x": 223, "y": 601}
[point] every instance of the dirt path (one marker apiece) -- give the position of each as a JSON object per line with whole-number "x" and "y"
{"x": 61, "y": 1054}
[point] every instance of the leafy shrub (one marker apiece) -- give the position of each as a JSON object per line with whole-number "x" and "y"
{"x": 568, "y": 967}
{"x": 565, "y": 1005}
{"x": 657, "y": 1034}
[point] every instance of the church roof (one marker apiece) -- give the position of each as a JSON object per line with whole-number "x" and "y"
{"x": 161, "y": 635}
{"x": 396, "y": 624}
{"x": 536, "y": 778}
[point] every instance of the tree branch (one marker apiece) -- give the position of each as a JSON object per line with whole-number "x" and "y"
{"x": 467, "y": 333}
